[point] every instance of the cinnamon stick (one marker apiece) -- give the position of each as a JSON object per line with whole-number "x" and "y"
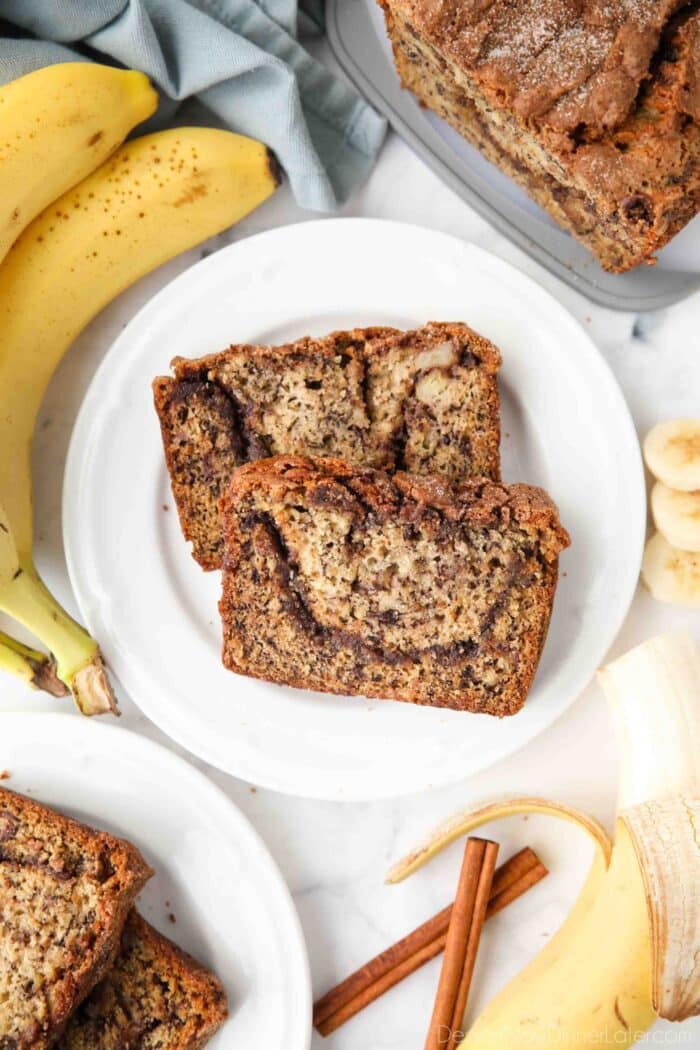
{"x": 361, "y": 988}
{"x": 463, "y": 935}
{"x": 483, "y": 893}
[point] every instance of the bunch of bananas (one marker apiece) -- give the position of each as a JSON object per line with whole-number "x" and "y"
{"x": 81, "y": 218}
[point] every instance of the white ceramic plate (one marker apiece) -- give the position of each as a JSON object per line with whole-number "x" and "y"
{"x": 213, "y": 874}
{"x": 565, "y": 426}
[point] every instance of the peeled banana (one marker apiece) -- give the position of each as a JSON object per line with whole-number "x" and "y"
{"x": 629, "y": 952}
{"x": 672, "y": 453}
{"x": 57, "y": 125}
{"x": 672, "y": 575}
{"x": 671, "y": 564}
{"x": 677, "y": 516}
{"x": 591, "y": 979}
{"x": 155, "y": 197}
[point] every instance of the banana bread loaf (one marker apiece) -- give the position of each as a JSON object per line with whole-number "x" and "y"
{"x": 155, "y": 997}
{"x": 65, "y": 892}
{"x": 593, "y": 107}
{"x": 347, "y": 580}
{"x": 425, "y": 401}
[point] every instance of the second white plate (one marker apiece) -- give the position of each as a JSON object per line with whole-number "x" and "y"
{"x": 216, "y": 890}
{"x": 565, "y": 426}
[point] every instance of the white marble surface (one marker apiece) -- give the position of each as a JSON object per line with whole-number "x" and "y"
{"x": 334, "y": 855}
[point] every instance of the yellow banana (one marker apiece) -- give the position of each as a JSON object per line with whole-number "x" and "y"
{"x": 56, "y": 126}
{"x": 155, "y": 197}
{"x": 590, "y": 985}
{"x": 629, "y": 951}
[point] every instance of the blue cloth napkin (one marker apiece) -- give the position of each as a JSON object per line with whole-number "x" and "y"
{"x": 241, "y": 58}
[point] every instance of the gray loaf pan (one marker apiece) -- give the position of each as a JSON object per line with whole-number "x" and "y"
{"x": 359, "y": 43}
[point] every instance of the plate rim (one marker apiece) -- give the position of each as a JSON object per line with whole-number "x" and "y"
{"x": 560, "y": 316}
{"x": 136, "y": 744}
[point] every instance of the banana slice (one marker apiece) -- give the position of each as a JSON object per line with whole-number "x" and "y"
{"x": 677, "y": 516}
{"x": 672, "y": 453}
{"x": 670, "y": 574}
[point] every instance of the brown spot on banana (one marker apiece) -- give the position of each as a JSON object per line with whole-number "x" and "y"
{"x": 619, "y": 1015}
{"x": 191, "y": 195}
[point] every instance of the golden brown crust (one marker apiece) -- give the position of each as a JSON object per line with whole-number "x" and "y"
{"x": 411, "y": 588}
{"x": 202, "y": 448}
{"x": 485, "y": 354}
{"x": 426, "y": 400}
{"x": 327, "y": 346}
{"x": 155, "y": 997}
{"x": 57, "y": 873}
{"x": 477, "y": 500}
{"x": 592, "y": 107}
{"x": 560, "y": 64}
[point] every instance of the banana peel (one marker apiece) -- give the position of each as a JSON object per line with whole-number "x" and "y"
{"x": 629, "y": 951}
{"x": 469, "y": 820}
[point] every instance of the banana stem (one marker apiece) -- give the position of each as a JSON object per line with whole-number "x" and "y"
{"x": 78, "y": 662}
{"x": 37, "y": 670}
{"x": 27, "y": 599}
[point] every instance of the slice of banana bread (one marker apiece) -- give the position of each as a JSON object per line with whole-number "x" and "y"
{"x": 426, "y": 401}
{"x": 65, "y": 892}
{"x": 155, "y": 997}
{"x": 347, "y": 580}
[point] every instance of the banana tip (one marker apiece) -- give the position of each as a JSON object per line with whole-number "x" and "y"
{"x": 274, "y": 167}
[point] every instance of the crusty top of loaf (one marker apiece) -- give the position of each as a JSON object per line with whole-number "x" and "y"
{"x": 325, "y": 346}
{"x": 482, "y": 351}
{"x": 572, "y": 66}
{"x": 404, "y": 496}
{"x": 372, "y": 341}
{"x": 65, "y": 890}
